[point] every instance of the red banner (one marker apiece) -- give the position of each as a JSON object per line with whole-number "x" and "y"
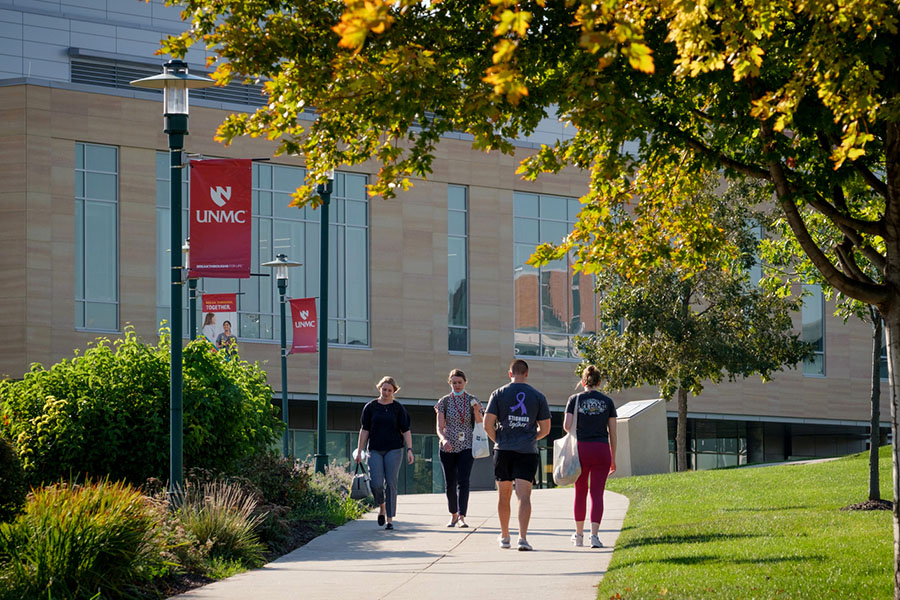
{"x": 220, "y": 303}
{"x": 303, "y": 317}
{"x": 220, "y": 221}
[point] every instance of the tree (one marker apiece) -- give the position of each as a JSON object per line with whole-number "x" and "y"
{"x": 683, "y": 329}
{"x": 106, "y": 412}
{"x": 786, "y": 263}
{"x": 804, "y": 96}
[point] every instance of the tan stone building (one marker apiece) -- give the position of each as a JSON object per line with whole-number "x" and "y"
{"x": 431, "y": 281}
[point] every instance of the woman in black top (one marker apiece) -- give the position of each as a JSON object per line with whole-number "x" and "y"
{"x": 596, "y": 434}
{"x": 384, "y": 430}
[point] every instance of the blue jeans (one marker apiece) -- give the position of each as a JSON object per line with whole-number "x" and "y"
{"x": 457, "y": 470}
{"x": 384, "y": 470}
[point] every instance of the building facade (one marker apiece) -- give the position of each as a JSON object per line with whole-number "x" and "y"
{"x": 434, "y": 280}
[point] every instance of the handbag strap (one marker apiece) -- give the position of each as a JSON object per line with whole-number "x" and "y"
{"x": 573, "y": 431}
{"x": 358, "y": 467}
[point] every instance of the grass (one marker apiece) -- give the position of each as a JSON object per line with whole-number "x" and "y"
{"x": 773, "y": 532}
{"x": 221, "y": 517}
{"x": 78, "y": 542}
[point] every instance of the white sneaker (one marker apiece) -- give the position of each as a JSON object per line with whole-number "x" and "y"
{"x": 504, "y": 541}
{"x": 578, "y": 540}
{"x": 595, "y": 542}
{"x": 524, "y": 546}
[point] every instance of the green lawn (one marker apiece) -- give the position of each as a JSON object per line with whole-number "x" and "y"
{"x": 772, "y": 532}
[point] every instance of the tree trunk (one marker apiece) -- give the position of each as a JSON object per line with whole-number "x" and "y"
{"x": 681, "y": 431}
{"x": 875, "y": 427}
{"x": 892, "y": 334}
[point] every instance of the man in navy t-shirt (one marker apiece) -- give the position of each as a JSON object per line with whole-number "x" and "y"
{"x": 517, "y": 417}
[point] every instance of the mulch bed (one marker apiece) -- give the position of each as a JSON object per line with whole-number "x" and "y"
{"x": 871, "y": 505}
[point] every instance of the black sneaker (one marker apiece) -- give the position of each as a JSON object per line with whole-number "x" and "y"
{"x": 380, "y": 520}
{"x": 389, "y": 526}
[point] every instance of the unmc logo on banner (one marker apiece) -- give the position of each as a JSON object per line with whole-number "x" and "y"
{"x": 220, "y": 227}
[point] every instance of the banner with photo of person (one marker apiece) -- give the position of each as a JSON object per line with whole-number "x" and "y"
{"x": 220, "y": 321}
{"x": 220, "y": 218}
{"x": 305, "y": 325}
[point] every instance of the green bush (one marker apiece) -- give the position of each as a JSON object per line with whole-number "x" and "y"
{"x": 221, "y": 516}
{"x": 280, "y": 481}
{"x": 74, "y": 542}
{"x": 12, "y": 481}
{"x": 106, "y": 412}
{"x": 328, "y": 498}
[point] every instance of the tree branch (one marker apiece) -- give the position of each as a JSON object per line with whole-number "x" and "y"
{"x": 844, "y": 252}
{"x": 869, "y": 293}
{"x": 847, "y": 224}
{"x": 725, "y": 160}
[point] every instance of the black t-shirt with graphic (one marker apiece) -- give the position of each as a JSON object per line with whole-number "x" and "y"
{"x": 518, "y": 407}
{"x": 594, "y": 412}
{"x": 386, "y": 424}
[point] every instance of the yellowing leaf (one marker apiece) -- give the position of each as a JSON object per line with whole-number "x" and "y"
{"x": 515, "y": 21}
{"x": 639, "y": 57}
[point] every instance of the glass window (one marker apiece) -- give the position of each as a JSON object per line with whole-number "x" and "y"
{"x": 457, "y": 269}
{"x": 281, "y": 228}
{"x": 553, "y": 303}
{"x": 96, "y": 237}
{"x": 813, "y": 323}
{"x": 756, "y": 269}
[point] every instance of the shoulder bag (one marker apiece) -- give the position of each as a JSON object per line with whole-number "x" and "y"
{"x": 566, "y": 466}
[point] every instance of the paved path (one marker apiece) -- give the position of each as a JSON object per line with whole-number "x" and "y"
{"x": 422, "y": 560}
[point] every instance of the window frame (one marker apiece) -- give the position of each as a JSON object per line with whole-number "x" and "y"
{"x": 81, "y": 199}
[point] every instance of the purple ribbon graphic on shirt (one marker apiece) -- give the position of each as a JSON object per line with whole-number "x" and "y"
{"x": 520, "y": 398}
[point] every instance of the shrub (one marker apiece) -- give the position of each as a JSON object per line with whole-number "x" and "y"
{"x": 12, "y": 481}
{"x": 328, "y": 498}
{"x": 74, "y": 542}
{"x": 221, "y": 516}
{"x": 280, "y": 481}
{"x": 88, "y": 415}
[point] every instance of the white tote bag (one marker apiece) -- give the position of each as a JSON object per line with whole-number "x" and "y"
{"x": 480, "y": 447}
{"x": 566, "y": 466}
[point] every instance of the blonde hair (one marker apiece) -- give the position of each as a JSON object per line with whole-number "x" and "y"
{"x": 387, "y": 379}
{"x": 590, "y": 376}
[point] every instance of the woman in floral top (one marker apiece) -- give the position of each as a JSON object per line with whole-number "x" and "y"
{"x": 457, "y": 413}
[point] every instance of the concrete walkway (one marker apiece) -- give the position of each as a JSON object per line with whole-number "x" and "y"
{"x": 422, "y": 559}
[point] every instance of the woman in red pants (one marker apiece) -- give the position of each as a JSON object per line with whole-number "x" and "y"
{"x": 596, "y": 434}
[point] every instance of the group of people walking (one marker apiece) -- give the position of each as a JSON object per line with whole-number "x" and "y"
{"x": 517, "y": 416}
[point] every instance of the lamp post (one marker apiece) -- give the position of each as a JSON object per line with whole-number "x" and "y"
{"x": 175, "y": 81}
{"x": 324, "y": 190}
{"x": 281, "y": 265}
{"x": 192, "y": 290}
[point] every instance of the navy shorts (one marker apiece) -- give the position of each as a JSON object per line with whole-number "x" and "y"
{"x": 509, "y": 465}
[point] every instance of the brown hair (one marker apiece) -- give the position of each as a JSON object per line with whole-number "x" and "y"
{"x": 210, "y": 317}
{"x": 590, "y": 376}
{"x": 387, "y": 379}
{"x": 456, "y": 373}
{"x": 518, "y": 367}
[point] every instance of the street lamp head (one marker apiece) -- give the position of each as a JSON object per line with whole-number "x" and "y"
{"x": 281, "y": 265}
{"x": 174, "y": 81}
